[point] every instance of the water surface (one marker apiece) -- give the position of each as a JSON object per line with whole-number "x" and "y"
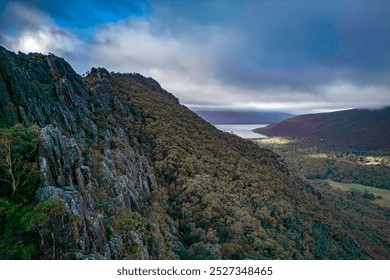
{"x": 242, "y": 130}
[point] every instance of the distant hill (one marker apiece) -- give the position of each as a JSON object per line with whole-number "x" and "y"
{"x": 356, "y": 129}
{"x": 242, "y": 117}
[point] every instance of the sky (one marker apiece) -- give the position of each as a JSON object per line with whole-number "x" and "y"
{"x": 291, "y": 56}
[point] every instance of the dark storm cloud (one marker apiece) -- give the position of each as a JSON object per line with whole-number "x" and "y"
{"x": 14, "y": 19}
{"x": 299, "y": 44}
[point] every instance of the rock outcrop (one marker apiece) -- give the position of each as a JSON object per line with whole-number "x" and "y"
{"x": 87, "y": 159}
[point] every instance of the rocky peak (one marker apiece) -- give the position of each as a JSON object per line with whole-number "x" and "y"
{"x": 42, "y": 90}
{"x": 97, "y": 76}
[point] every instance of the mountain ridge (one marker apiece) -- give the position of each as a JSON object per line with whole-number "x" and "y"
{"x": 124, "y": 171}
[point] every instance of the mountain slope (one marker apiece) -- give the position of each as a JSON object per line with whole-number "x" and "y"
{"x": 357, "y": 128}
{"x": 126, "y": 172}
{"x": 242, "y": 117}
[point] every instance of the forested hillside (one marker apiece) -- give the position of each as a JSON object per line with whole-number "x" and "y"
{"x": 353, "y": 129}
{"x": 111, "y": 166}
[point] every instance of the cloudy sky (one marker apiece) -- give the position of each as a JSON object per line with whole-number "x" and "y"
{"x": 293, "y": 56}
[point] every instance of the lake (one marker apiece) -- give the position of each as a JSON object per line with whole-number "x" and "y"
{"x": 242, "y": 130}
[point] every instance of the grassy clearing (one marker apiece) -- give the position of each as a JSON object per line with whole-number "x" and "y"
{"x": 276, "y": 141}
{"x": 379, "y": 160}
{"x": 385, "y": 201}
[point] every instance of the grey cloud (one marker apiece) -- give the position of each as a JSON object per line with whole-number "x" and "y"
{"x": 300, "y": 44}
{"x": 16, "y": 17}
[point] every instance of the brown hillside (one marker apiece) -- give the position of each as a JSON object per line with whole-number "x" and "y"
{"x": 355, "y": 129}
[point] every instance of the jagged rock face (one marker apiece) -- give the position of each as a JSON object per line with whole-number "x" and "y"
{"x": 42, "y": 91}
{"x": 65, "y": 179}
{"x": 88, "y": 158}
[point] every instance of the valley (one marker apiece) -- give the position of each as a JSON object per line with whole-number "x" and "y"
{"x": 363, "y": 174}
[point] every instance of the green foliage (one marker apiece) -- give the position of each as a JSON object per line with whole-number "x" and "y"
{"x": 18, "y": 166}
{"x": 22, "y": 227}
{"x": 75, "y": 219}
{"x": 54, "y": 207}
{"x": 6, "y": 123}
{"x": 33, "y": 220}
{"x": 19, "y": 175}
{"x": 16, "y": 241}
{"x": 201, "y": 251}
{"x": 117, "y": 143}
{"x": 368, "y": 195}
{"x": 134, "y": 249}
{"x": 219, "y": 187}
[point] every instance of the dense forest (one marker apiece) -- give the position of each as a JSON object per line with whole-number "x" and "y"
{"x": 112, "y": 166}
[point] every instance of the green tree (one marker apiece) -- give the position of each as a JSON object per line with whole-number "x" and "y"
{"x": 18, "y": 148}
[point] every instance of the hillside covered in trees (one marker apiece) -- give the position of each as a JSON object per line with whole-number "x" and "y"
{"x": 112, "y": 166}
{"x": 353, "y": 129}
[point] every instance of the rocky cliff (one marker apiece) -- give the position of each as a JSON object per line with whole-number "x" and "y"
{"x": 113, "y": 204}
{"x": 126, "y": 172}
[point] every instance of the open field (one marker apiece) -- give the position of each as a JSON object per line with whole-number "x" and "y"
{"x": 385, "y": 201}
